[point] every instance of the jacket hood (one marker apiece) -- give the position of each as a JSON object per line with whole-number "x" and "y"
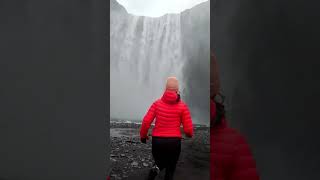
{"x": 170, "y": 97}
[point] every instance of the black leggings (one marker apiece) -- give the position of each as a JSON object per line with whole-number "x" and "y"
{"x": 166, "y": 152}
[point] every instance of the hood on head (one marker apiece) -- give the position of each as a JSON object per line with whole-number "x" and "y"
{"x": 170, "y": 97}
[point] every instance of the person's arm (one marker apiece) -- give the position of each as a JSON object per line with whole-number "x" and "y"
{"x": 187, "y": 122}
{"x": 147, "y": 120}
{"x": 244, "y": 166}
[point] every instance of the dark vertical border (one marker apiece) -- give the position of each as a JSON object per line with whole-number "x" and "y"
{"x": 107, "y": 81}
{"x": 54, "y": 96}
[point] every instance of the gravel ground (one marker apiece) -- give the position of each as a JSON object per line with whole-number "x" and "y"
{"x": 131, "y": 159}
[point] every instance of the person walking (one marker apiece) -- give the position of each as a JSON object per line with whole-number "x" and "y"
{"x": 169, "y": 112}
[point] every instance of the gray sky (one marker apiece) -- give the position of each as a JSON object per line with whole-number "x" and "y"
{"x": 156, "y": 8}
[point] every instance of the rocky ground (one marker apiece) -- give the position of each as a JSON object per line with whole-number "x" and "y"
{"x": 131, "y": 159}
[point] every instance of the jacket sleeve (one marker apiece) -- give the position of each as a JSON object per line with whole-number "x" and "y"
{"x": 147, "y": 120}
{"x": 187, "y": 122}
{"x": 244, "y": 166}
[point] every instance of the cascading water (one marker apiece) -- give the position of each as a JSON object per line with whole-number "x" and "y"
{"x": 144, "y": 51}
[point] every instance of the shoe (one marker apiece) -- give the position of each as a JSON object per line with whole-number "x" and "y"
{"x": 154, "y": 171}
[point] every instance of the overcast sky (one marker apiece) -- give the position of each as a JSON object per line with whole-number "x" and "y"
{"x": 156, "y": 8}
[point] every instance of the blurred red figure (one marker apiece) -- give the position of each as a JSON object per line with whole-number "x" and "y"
{"x": 230, "y": 155}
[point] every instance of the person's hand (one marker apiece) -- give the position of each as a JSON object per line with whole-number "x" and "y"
{"x": 143, "y": 140}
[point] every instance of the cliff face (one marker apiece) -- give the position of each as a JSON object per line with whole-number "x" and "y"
{"x": 195, "y": 29}
{"x": 145, "y": 50}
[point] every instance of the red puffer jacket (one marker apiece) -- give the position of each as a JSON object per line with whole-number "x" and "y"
{"x": 170, "y": 113}
{"x": 231, "y": 158}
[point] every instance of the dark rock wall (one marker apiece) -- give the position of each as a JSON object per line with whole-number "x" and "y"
{"x": 195, "y": 27}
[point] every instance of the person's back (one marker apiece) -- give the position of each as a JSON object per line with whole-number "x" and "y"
{"x": 170, "y": 112}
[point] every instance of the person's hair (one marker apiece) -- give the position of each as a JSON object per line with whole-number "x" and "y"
{"x": 179, "y": 97}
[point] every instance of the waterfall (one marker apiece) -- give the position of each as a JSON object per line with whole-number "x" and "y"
{"x": 144, "y": 51}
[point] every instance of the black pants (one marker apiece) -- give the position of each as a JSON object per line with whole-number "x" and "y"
{"x": 166, "y": 152}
